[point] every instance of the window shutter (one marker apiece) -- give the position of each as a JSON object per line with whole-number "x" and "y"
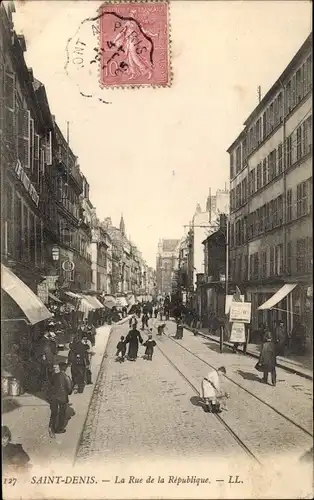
{"x": 9, "y": 112}
{"x": 24, "y": 137}
{"x": 32, "y": 144}
{"x": 37, "y": 158}
{"x": 48, "y": 149}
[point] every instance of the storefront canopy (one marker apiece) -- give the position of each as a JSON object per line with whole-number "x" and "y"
{"x": 277, "y": 297}
{"x": 109, "y": 301}
{"x": 73, "y": 295}
{"x": 31, "y": 305}
{"x": 53, "y": 297}
{"x": 95, "y": 304}
{"x": 121, "y": 302}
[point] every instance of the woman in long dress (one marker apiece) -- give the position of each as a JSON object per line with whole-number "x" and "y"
{"x": 133, "y": 338}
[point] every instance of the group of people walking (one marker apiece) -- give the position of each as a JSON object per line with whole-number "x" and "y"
{"x": 134, "y": 339}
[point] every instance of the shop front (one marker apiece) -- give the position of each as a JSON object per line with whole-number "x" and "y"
{"x": 23, "y": 322}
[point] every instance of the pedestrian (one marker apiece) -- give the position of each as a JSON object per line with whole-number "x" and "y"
{"x": 121, "y": 349}
{"x": 91, "y": 334}
{"x": 179, "y": 332}
{"x": 133, "y": 338}
{"x": 45, "y": 356}
{"x": 155, "y": 312}
{"x": 149, "y": 344}
{"x": 88, "y": 372}
{"x": 144, "y": 320}
{"x": 267, "y": 359}
{"x": 297, "y": 338}
{"x": 212, "y": 393}
{"x": 281, "y": 337}
{"x": 78, "y": 361}
{"x": 59, "y": 398}
{"x": 13, "y": 455}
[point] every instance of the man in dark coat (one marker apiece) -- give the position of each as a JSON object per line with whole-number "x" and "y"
{"x": 59, "y": 398}
{"x": 78, "y": 359}
{"x": 267, "y": 359}
{"x": 149, "y": 344}
{"x": 133, "y": 338}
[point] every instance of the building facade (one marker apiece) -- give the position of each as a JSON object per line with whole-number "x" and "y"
{"x": 166, "y": 262}
{"x": 271, "y": 196}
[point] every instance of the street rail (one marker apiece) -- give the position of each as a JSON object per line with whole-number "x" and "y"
{"x": 217, "y": 416}
{"x": 246, "y": 390}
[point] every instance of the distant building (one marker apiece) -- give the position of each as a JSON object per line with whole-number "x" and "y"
{"x": 166, "y": 264}
{"x": 271, "y": 198}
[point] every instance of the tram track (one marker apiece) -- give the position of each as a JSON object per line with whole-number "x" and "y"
{"x": 239, "y": 441}
{"x": 288, "y": 419}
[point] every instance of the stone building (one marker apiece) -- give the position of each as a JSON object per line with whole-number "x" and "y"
{"x": 271, "y": 198}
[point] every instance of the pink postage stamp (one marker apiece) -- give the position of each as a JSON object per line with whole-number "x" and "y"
{"x": 134, "y": 44}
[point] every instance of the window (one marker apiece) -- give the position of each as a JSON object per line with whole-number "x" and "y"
{"x": 39, "y": 253}
{"x": 9, "y": 111}
{"x": 293, "y": 91}
{"x": 279, "y": 260}
{"x": 279, "y": 157}
{"x": 25, "y": 249}
{"x": 302, "y": 199}
{"x": 238, "y": 196}
{"x": 307, "y": 135}
{"x": 244, "y": 190}
{"x": 9, "y": 220}
{"x": 231, "y": 166}
{"x": 264, "y": 125}
{"x": 271, "y": 116}
{"x": 299, "y": 143}
{"x": 301, "y": 255}
{"x": 18, "y": 227}
{"x": 279, "y": 210}
{"x": 299, "y": 86}
{"x": 24, "y": 121}
{"x": 309, "y": 72}
{"x": 238, "y": 159}
{"x": 259, "y": 176}
{"x": 272, "y": 165}
{"x": 280, "y": 107}
{"x": 259, "y": 130}
{"x": 266, "y": 216}
{"x": 264, "y": 173}
{"x": 289, "y": 258}
{"x": 244, "y": 149}
{"x": 255, "y": 265}
{"x": 289, "y": 151}
{"x": 264, "y": 264}
{"x": 271, "y": 261}
{"x": 32, "y": 237}
{"x": 262, "y": 218}
{"x": 252, "y": 182}
{"x": 289, "y": 97}
{"x": 289, "y": 205}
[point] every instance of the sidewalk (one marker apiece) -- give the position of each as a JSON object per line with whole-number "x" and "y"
{"x": 301, "y": 365}
{"x": 27, "y": 416}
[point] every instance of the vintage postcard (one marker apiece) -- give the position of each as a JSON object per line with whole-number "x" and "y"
{"x": 156, "y": 249}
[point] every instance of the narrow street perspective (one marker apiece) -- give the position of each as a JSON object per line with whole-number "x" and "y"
{"x": 156, "y": 249}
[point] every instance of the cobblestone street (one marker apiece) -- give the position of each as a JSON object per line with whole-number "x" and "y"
{"x": 147, "y": 408}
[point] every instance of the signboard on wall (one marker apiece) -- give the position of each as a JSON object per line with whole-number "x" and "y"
{"x": 240, "y": 312}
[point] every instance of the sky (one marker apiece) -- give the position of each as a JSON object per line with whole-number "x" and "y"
{"x": 152, "y": 154}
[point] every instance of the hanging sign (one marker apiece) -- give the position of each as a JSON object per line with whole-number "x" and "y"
{"x": 229, "y": 299}
{"x": 240, "y": 312}
{"x": 20, "y": 173}
{"x": 237, "y": 333}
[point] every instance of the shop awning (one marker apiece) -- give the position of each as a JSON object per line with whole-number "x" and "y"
{"x": 121, "y": 302}
{"x": 109, "y": 301}
{"x": 31, "y": 305}
{"x": 73, "y": 295}
{"x": 93, "y": 302}
{"x": 53, "y": 297}
{"x": 277, "y": 297}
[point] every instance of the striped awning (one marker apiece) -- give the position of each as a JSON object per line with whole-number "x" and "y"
{"x": 31, "y": 305}
{"x": 277, "y": 297}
